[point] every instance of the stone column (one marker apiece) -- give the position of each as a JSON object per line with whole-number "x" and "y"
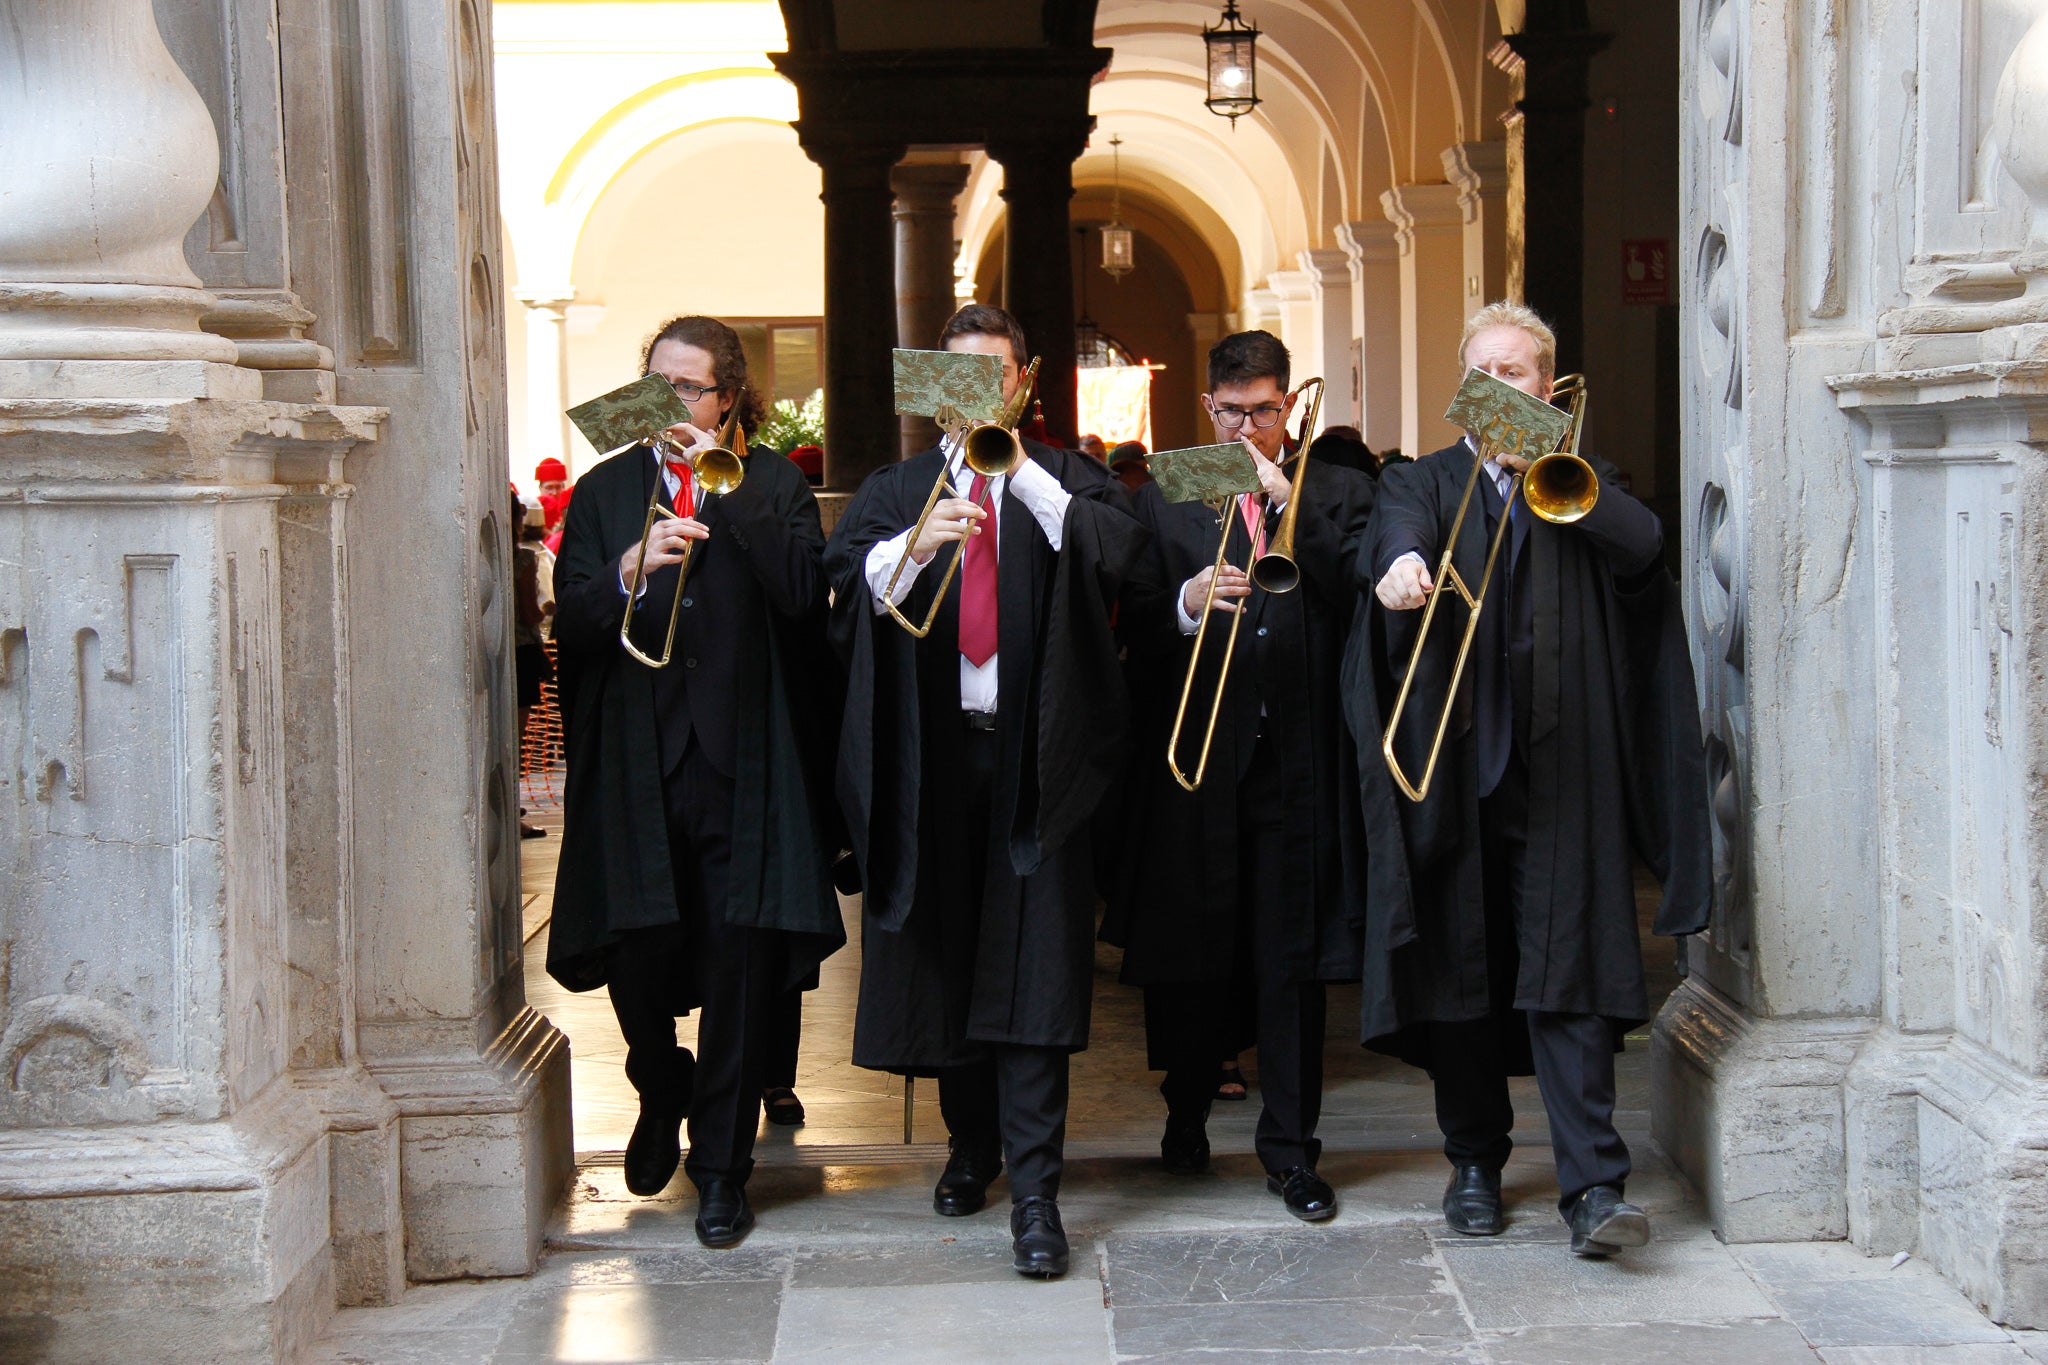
{"x": 860, "y": 312}
{"x": 1479, "y": 171}
{"x": 925, "y": 192}
{"x": 1546, "y": 162}
{"x": 547, "y": 373}
{"x": 1429, "y": 237}
{"x": 165, "y": 1163}
{"x": 394, "y": 222}
{"x": 1374, "y": 261}
{"x": 241, "y": 247}
{"x": 1205, "y": 330}
{"x": 1038, "y": 272}
{"x": 1329, "y": 331}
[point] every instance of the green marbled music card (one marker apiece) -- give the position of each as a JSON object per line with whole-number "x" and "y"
{"x": 1204, "y": 473}
{"x": 929, "y": 383}
{"x": 1505, "y": 421}
{"x": 632, "y": 412}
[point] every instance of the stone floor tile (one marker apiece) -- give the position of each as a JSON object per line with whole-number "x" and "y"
{"x": 1022, "y": 1321}
{"x": 1899, "y": 1310}
{"x": 949, "y": 1260}
{"x": 1763, "y": 1341}
{"x": 1978, "y": 1353}
{"x": 1391, "y": 1355}
{"x": 1545, "y": 1285}
{"x": 1416, "y": 1321}
{"x": 1264, "y": 1267}
{"x": 692, "y": 1265}
{"x": 1807, "y": 1262}
{"x": 626, "y": 1324}
{"x": 466, "y": 1346}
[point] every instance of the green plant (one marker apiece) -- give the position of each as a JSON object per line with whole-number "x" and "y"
{"x": 789, "y": 425}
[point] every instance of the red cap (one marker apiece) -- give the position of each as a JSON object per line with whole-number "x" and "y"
{"x": 810, "y": 459}
{"x": 550, "y": 469}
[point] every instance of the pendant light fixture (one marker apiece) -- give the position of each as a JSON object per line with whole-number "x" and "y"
{"x": 1233, "y": 66}
{"x": 1119, "y": 250}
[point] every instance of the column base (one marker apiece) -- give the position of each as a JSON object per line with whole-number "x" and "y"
{"x": 1751, "y": 1110}
{"x": 1948, "y": 1158}
{"x": 367, "y": 1232}
{"x": 485, "y": 1149}
{"x": 138, "y": 380}
{"x": 169, "y": 1242}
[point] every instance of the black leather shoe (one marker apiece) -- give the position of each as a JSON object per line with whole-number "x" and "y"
{"x": 963, "y": 1189}
{"x": 1472, "y": 1201}
{"x": 1307, "y": 1195}
{"x": 1604, "y": 1223}
{"x": 654, "y": 1150}
{"x": 1039, "y": 1242}
{"x": 723, "y": 1217}
{"x": 1184, "y": 1149}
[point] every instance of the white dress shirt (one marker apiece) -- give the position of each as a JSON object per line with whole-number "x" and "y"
{"x": 1047, "y": 503}
{"x": 674, "y": 486}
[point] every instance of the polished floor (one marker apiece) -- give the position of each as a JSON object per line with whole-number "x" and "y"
{"x": 848, "y": 1262}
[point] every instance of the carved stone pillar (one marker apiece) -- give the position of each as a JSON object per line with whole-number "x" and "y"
{"x": 173, "y": 955}
{"x": 1328, "y": 349}
{"x": 860, "y": 311}
{"x": 1038, "y": 271}
{"x": 1429, "y": 237}
{"x": 1479, "y": 170}
{"x": 1546, "y": 67}
{"x": 925, "y": 192}
{"x": 547, "y": 373}
{"x": 1374, "y": 260}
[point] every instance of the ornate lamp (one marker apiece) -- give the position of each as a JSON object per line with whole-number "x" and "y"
{"x": 1119, "y": 251}
{"x": 1233, "y": 66}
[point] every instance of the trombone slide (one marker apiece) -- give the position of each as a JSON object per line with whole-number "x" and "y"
{"x": 1187, "y": 686}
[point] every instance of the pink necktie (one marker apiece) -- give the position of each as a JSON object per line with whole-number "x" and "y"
{"x": 978, "y": 585}
{"x": 1255, "y": 522}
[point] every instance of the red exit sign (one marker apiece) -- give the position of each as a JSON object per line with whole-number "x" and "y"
{"x": 1646, "y": 271}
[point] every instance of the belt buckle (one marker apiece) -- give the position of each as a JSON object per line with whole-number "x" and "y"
{"x": 980, "y": 720}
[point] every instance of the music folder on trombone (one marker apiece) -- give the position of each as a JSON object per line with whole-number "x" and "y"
{"x": 1559, "y": 486}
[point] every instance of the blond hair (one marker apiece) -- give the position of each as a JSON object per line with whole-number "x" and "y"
{"x": 1504, "y": 313}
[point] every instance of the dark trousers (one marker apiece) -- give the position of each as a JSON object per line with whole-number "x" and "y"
{"x": 1573, "y": 1053}
{"x": 1017, "y": 1096}
{"x": 734, "y": 975}
{"x": 1188, "y": 1025}
{"x": 785, "y": 1037}
{"x": 1018, "y": 1099}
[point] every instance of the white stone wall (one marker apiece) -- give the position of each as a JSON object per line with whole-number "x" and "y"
{"x": 1859, "y": 1050}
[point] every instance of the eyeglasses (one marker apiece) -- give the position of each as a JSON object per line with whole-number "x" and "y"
{"x": 690, "y": 393}
{"x": 1230, "y": 419}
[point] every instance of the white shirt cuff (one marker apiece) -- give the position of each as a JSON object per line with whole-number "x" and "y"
{"x": 1041, "y": 493}
{"x": 624, "y": 591}
{"x": 883, "y": 558}
{"x": 1188, "y": 624}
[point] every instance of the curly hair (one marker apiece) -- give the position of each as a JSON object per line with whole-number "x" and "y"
{"x": 728, "y": 361}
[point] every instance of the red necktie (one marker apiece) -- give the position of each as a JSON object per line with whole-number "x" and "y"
{"x": 978, "y": 585}
{"x": 685, "y": 500}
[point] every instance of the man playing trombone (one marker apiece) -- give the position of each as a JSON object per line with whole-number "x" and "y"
{"x": 973, "y": 755}
{"x": 695, "y": 850}
{"x": 1238, "y": 908}
{"x": 1501, "y": 931}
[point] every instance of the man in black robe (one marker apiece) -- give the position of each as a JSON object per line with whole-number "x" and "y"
{"x": 1241, "y": 901}
{"x": 970, "y": 762}
{"x": 695, "y": 858}
{"x": 1501, "y": 923}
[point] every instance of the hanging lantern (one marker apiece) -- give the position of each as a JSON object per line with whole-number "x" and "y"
{"x": 1233, "y": 66}
{"x": 1119, "y": 250}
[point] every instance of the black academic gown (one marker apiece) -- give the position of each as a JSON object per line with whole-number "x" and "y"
{"x": 1176, "y": 916}
{"x": 1615, "y": 765}
{"x": 929, "y": 998}
{"x": 756, "y": 614}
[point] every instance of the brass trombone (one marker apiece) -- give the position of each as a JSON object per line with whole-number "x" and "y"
{"x": 1273, "y": 571}
{"x": 1561, "y": 487}
{"x": 719, "y": 470}
{"x": 990, "y": 449}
